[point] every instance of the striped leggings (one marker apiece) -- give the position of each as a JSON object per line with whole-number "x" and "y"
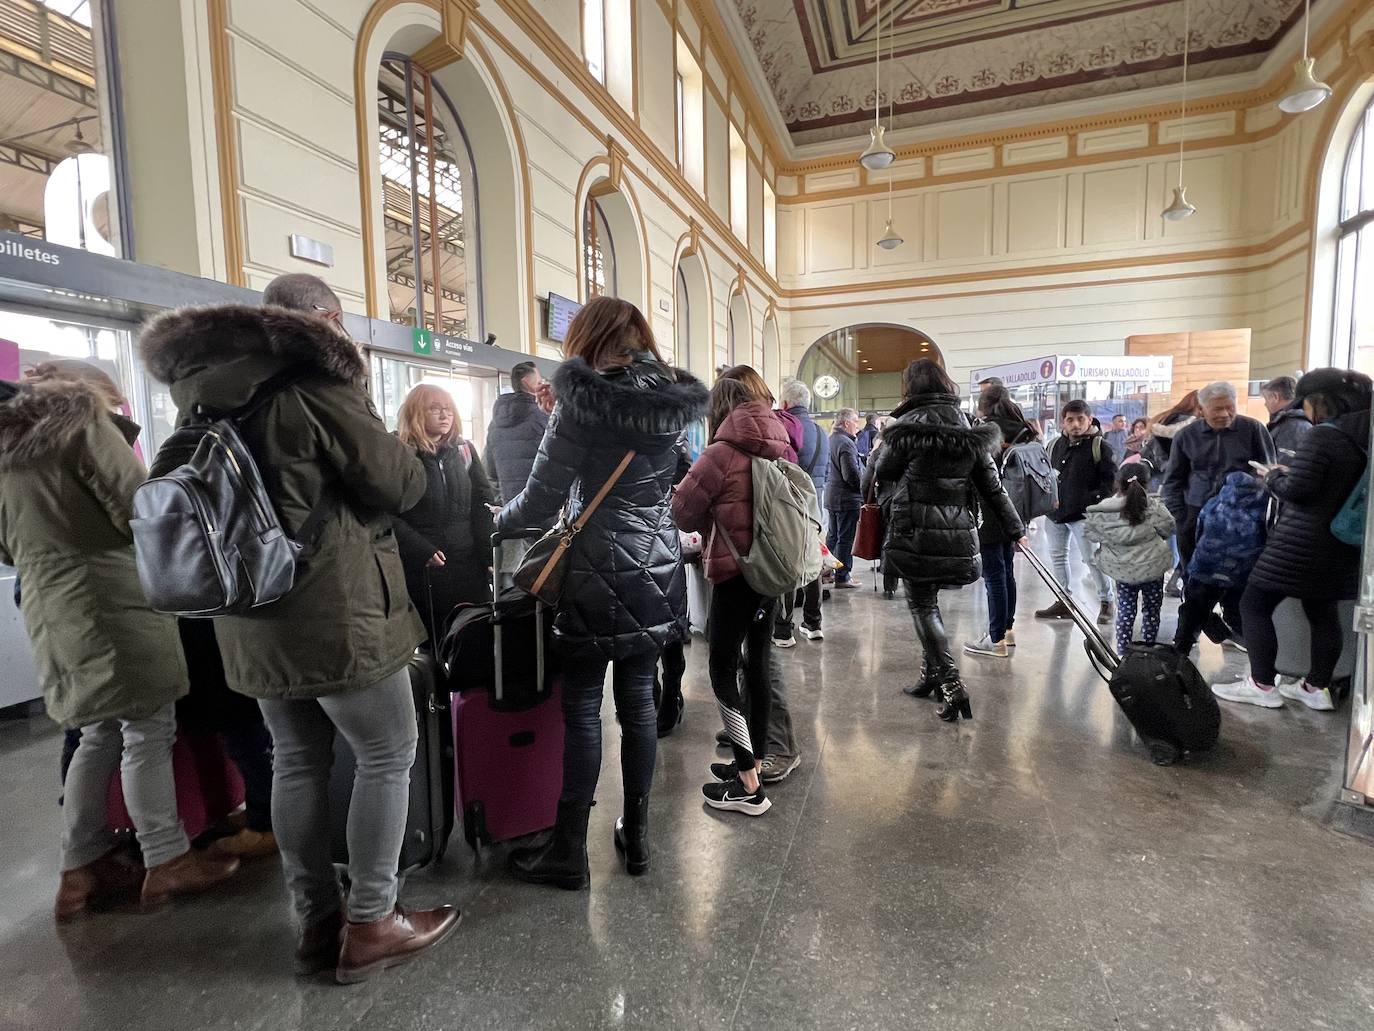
{"x": 741, "y": 618}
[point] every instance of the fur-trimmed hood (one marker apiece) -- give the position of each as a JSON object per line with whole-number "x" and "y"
{"x": 647, "y": 397}
{"x": 933, "y": 424}
{"x": 218, "y": 356}
{"x": 40, "y": 421}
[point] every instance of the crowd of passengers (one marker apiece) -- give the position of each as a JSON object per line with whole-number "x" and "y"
{"x": 397, "y": 527}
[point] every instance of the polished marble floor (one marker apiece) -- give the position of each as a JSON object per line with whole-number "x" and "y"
{"x": 1027, "y": 870}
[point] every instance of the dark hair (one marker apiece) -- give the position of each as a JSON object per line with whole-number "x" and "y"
{"x": 1133, "y": 482}
{"x": 1281, "y": 387}
{"x": 301, "y": 291}
{"x": 1140, "y": 421}
{"x": 753, "y": 382}
{"x": 1338, "y": 391}
{"x": 924, "y": 376}
{"x": 991, "y": 381}
{"x": 607, "y": 334}
{"x": 1076, "y": 407}
{"x": 518, "y": 374}
{"x": 726, "y": 396}
{"x": 1004, "y": 410}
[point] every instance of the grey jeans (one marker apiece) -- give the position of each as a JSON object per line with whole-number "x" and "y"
{"x": 378, "y": 722}
{"x": 141, "y": 750}
{"x": 1059, "y": 536}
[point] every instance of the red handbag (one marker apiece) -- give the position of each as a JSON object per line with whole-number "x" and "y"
{"x": 868, "y": 540}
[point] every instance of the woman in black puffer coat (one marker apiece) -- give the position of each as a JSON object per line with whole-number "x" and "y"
{"x": 625, "y": 595}
{"x": 1302, "y": 558}
{"x": 446, "y": 539}
{"x": 940, "y": 467}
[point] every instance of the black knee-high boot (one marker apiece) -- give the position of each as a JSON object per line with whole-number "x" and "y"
{"x": 632, "y": 835}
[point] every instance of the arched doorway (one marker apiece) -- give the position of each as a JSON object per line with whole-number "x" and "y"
{"x": 861, "y": 366}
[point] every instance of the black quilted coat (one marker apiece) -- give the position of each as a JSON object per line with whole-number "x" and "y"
{"x": 941, "y": 467}
{"x": 1301, "y": 557}
{"x": 625, "y": 592}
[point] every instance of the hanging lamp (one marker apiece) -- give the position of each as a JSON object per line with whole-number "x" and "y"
{"x": 1307, "y": 91}
{"x": 1179, "y": 208}
{"x": 877, "y": 155}
{"x": 891, "y": 239}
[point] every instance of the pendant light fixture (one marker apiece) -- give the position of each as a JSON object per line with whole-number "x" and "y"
{"x": 877, "y": 155}
{"x": 1307, "y": 91}
{"x": 891, "y": 239}
{"x": 1179, "y": 208}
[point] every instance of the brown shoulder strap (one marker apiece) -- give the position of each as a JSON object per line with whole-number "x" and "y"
{"x": 606, "y": 488}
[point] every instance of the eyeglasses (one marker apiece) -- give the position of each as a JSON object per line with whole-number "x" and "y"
{"x": 329, "y": 313}
{"x": 439, "y": 410}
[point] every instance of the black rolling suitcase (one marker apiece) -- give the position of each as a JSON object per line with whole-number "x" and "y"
{"x": 1161, "y": 692}
{"x": 429, "y": 821}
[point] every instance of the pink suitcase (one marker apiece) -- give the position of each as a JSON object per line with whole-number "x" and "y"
{"x": 508, "y": 755}
{"x": 208, "y": 786}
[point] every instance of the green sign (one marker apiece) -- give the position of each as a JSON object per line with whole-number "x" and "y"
{"x": 422, "y": 341}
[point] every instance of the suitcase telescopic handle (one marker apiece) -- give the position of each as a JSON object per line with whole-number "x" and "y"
{"x": 499, "y": 683}
{"x": 1100, "y": 653}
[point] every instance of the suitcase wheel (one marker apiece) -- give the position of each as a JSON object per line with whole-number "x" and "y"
{"x": 1163, "y": 754}
{"x": 475, "y": 826}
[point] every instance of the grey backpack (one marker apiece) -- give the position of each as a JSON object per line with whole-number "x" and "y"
{"x": 1029, "y": 480}
{"x": 786, "y": 553}
{"x": 207, "y": 538}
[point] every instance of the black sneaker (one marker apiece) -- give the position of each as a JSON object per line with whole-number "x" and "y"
{"x": 725, "y": 772}
{"x": 734, "y": 797}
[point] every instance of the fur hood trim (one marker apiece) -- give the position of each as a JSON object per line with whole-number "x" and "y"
{"x": 648, "y": 397}
{"x": 929, "y": 438}
{"x": 177, "y": 344}
{"x": 42, "y": 420}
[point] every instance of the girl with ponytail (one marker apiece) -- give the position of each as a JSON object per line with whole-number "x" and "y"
{"x": 1133, "y": 529}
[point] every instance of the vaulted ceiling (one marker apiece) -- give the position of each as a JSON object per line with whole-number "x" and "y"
{"x": 955, "y": 58}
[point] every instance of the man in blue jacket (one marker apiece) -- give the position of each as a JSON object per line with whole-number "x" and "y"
{"x": 815, "y": 459}
{"x": 843, "y": 494}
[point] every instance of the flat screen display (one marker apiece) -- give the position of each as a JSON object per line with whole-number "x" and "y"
{"x": 561, "y": 312}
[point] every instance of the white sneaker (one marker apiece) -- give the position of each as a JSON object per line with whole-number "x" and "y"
{"x": 1318, "y": 698}
{"x": 813, "y": 633}
{"x": 785, "y": 642}
{"x": 1009, "y": 638}
{"x": 986, "y": 646}
{"x": 1247, "y": 691}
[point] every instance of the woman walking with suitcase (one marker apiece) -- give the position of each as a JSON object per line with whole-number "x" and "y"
{"x": 619, "y": 411}
{"x": 446, "y": 539}
{"x": 937, "y": 462}
{"x": 109, "y": 664}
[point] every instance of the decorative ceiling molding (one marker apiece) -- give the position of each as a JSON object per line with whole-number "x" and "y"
{"x": 961, "y": 58}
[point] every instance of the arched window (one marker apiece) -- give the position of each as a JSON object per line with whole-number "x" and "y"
{"x": 598, "y": 251}
{"x": 682, "y": 327}
{"x": 1352, "y": 344}
{"x": 430, "y": 204}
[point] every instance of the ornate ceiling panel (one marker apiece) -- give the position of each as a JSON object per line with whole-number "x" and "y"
{"x": 955, "y": 58}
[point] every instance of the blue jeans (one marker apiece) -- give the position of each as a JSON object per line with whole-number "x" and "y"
{"x": 1000, "y": 581}
{"x": 840, "y": 541}
{"x": 633, "y": 685}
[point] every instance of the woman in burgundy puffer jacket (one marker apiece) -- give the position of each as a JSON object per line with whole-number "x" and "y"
{"x": 717, "y": 499}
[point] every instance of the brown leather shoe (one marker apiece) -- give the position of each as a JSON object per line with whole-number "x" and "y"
{"x": 318, "y": 949}
{"x": 105, "y": 880}
{"x": 372, "y": 947}
{"x": 246, "y": 844}
{"x": 188, "y": 873}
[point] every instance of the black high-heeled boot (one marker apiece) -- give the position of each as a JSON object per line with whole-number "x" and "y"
{"x": 632, "y": 836}
{"x": 926, "y": 686}
{"x": 561, "y": 859}
{"x": 954, "y": 701}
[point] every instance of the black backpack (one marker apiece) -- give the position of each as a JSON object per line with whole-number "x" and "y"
{"x": 207, "y": 537}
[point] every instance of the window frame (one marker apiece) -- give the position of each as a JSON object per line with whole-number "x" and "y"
{"x": 1354, "y": 242}
{"x": 586, "y": 8}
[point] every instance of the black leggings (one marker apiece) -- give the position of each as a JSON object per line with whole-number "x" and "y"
{"x": 739, "y": 616}
{"x": 1257, "y": 611}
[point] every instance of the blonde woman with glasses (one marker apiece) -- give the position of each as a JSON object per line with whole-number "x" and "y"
{"x": 448, "y": 534}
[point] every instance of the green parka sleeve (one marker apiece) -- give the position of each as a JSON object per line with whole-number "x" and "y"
{"x": 375, "y": 468}
{"x": 108, "y": 467}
